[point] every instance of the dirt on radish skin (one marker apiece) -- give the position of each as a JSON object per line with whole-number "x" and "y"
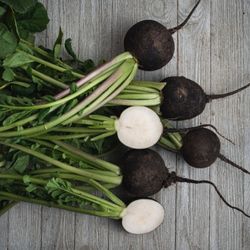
{"x": 152, "y": 43}
{"x": 142, "y": 216}
{"x": 139, "y": 127}
{"x": 185, "y": 99}
{"x": 145, "y": 174}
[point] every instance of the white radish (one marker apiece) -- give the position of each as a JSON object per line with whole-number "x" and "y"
{"x": 142, "y": 216}
{"x": 139, "y": 127}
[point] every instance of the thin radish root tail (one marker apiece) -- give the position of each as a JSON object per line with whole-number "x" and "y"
{"x": 173, "y": 178}
{"x": 223, "y": 158}
{"x": 172, "y": 130}
{"x": 173, "y": 30}
{"x": 212, "y": 97}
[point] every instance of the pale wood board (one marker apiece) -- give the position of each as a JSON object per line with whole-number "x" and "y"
{"x": 213, "y": 49}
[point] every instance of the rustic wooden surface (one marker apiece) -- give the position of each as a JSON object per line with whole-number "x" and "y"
{"x": 214, "y": 50}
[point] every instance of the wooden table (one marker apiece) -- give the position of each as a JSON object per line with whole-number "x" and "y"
{"x": 214, "y": 50}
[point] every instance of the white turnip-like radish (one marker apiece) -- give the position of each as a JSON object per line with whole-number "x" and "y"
{"x": 142, "y": 216}
{"x": 139, "y": 127}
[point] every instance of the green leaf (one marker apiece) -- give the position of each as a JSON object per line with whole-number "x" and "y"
{"x": 31, "y": 188}
{"x": 20, "y": 6}
{"x": 16, "y": 60}
{"x": 15, "y": 117}
{"x": 21, "y": 163}
{"x": 43, "y": 114}
{"x": 2, "y": 11}
{"x": 35, "y": 20}
{"x": 58, "y": 45}
{"x": 8, "y": 41}
{"x": 86, "y": 66}
{"x": 69, "y": 49}
{"x": 8, "y": 75}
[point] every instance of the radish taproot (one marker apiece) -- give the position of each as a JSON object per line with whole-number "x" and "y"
{"x": 151, "y": 43}
{"x": 144, "y": 174}
{"x": 185, "y": 99}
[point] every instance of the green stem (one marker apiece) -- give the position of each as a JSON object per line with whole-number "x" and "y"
{"x": 121, "y": 102}
{"x": 46, "y": 55}
{"x": 164, "y": 142}
{"x": 89, "y": 158}
{"x": 50, "y": 65}
{"x": 64, "y": 137}
{"x": 92, "y": 108}
{"x": 49, "y": 79}
{"x": 19, "y": 123}
{"x": 80, "y": 91}
{"x": 155, "y": 85}
{"x": 109, "y": 194}
{"x": 114, "y": 180}
{"x": 111, "y": 214}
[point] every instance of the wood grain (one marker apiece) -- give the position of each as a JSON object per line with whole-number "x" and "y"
{"x": 245, "y": 104}
{"x": 4, "y": 230}
{"x": 227, "y": 115}
{"x": 212, "y": 49}
{"x": 192, "y": 216}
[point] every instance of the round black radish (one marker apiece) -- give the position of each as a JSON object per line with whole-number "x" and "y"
{"x": 201, "y": 147}
{"x": 143, "y": 172}
{"x": 182, "y": 98}
{"x": 185, "y": 99}
{"x": 150, "y": 43}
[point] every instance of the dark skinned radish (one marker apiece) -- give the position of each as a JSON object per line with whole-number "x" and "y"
{"x": 201, "y": 148}
{"x": 185, "y": 99}
{"x": 145, "y": 174}
{"x": 151, "y": 43}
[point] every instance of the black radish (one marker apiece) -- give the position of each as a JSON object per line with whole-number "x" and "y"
{"x": 201, "y": 148}
{"x": 185, "y": 99}
{"x": 144, "y": 174}
{"x": 151, "y": 43}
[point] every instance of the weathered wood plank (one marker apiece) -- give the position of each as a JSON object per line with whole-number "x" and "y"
{"x": 25, "y": 227}
{"x": 192, "y": 215}
{"x": 245, "y": 105}
{"x": 227, "y": 115}
{"x": 4, "y": 231}
{"x": 58, "y": 229}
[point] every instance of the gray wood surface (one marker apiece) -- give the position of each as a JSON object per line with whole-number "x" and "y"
{"x": 214, "y": 50}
